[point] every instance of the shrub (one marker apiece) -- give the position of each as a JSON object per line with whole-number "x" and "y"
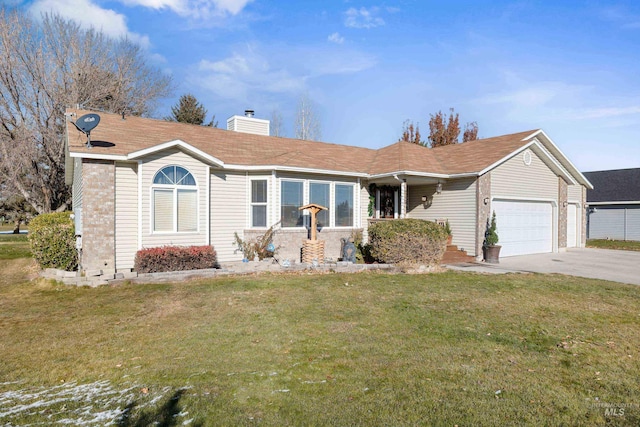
{"x": 175, "y": 258}
{"x": 491, "y": 235}
{"x": 363, "y": 251}
{"x": 261, "y": 247}
{"x": 407, "y": 241}
{"x": 52, "y": 238}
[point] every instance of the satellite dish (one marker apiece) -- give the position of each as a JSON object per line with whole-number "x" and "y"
{"x": 86, "y": 124}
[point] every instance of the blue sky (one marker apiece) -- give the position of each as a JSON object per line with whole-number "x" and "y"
{"x": 571, "y": 68}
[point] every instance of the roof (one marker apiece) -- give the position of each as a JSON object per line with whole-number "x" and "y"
{"x": 126, "y": 139}
{"x": 621, "y": 185}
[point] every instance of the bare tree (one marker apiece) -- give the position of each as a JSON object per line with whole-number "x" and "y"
{"x": 470, "y": 132}
{"x": 276, "y": 126}
{"x": 444, "y": 130}
{"x": 411, "y": 133}
{"x": 46, "y": 66}
{"x": 307, "y": 124}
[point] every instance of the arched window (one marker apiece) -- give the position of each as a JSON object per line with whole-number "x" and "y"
{"x": 175, "y": 200}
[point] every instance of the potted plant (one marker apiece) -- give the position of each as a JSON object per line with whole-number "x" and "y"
{"x": 490, "y": 248}
{"x": 447, "y": 228}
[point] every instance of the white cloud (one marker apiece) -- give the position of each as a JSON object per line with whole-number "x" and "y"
{"x": 90, "y": 15}
{"x": 282, "y": 70}
{"x": 363, "y": 17}
{"x": 336, "y": 38}
{"x": 605, "y": 112}
{"x": 244, "y": 74}
{"x": 202, "y": 9}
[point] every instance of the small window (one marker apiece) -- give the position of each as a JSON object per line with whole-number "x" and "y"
{"x": 320, "y": 193}
{"x": 175, "y": 200}
{"x": 291, "y": 198}
{"x": 344, "y": 205}
{"x": 259, "y": 203}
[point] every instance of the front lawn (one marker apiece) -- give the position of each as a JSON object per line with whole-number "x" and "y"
{"x": 334, "y": 349}
{"x": 14, "y": 246}
{"x": 624, "y": 245}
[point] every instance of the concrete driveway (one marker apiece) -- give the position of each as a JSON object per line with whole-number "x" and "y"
{"x": 617, "y": 266}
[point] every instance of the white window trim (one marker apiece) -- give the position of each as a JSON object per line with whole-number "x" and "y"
{"x": 175, "y": 189}
{"x": 251, "y": 204}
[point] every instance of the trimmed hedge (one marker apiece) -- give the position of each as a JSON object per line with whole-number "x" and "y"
{"x": 52, "y": 238}
{"x": 407, "y": 241}
{"x": 175, "y": 258}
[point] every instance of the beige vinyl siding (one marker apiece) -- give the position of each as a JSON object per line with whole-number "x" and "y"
{"x": 76, "y": 194}
{"x": 248, "y": 125}
{"x": 514, "y": 179}
{"x": 126, "y": 221}
{"x": 457, "y": 203}
{"x": 574, "y": 193}
{"x": 364, "y": 209}
{"x": 200, "y": 171}
{"x": 229, "y": 212}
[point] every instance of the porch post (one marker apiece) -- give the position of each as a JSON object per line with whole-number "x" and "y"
{"x": 403, "y": 199}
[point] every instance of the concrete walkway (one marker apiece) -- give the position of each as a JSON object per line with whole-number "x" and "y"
{"x": 605, "y": 264}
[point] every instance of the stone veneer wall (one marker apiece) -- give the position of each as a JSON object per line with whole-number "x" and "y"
{"x": 98, "y": 215}
{"x": 483, "y": 190}
{"x": 290, "y": 242}
{"x": 562, "y": 213}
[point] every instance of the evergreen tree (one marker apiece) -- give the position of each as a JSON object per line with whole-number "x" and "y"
{"x": 189, "y": 110}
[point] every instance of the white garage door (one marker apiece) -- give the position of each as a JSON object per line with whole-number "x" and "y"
{"x": 572, "y": 226}
{"x": 524, "y": 227}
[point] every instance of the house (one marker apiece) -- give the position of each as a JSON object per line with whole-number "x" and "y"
{"x": 145, "y": 183}
{"x": 614, "y": 204}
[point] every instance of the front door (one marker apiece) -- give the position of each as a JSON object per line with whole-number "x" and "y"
{"x": 387, "y": 206}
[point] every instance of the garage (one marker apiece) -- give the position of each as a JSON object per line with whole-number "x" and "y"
{"x": 524, "y": 227}
{"x": 572, "y": 225}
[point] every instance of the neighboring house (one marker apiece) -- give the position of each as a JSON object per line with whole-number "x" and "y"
{"x": 148, "y": 183}
{"x": 614, "y": 204}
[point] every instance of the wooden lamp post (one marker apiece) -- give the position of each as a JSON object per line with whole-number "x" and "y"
{"x": 313, "y": 248}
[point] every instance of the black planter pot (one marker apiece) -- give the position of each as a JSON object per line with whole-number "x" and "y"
{"x": 491, "y": 254}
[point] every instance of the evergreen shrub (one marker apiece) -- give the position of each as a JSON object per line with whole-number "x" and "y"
{"x": 52, "y": 238}
{"x": 407, "y": 241}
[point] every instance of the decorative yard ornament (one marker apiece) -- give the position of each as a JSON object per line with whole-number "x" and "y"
{"x": 313, "y": 249}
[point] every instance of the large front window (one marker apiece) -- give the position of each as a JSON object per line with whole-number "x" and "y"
{"x": 344, "y": 205}
{"x": 339, "y": 199}
{"x": 291, "y": 198}
{"x": 320, "y": 194}
{"x": 175, "y": 200}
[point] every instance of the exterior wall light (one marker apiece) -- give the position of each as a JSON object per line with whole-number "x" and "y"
{"x": 439, "y": 188}
{"x": 486, "y": 200}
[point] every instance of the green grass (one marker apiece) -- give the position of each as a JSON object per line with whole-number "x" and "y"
{"x": 625, "y": 245}
{"x": 334, "y": 349}
{"x": 14, "y": 246}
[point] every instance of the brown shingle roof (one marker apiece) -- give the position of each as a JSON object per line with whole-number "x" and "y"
{"x": 117, "y": 137}
{"x": 474, "y": 156}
